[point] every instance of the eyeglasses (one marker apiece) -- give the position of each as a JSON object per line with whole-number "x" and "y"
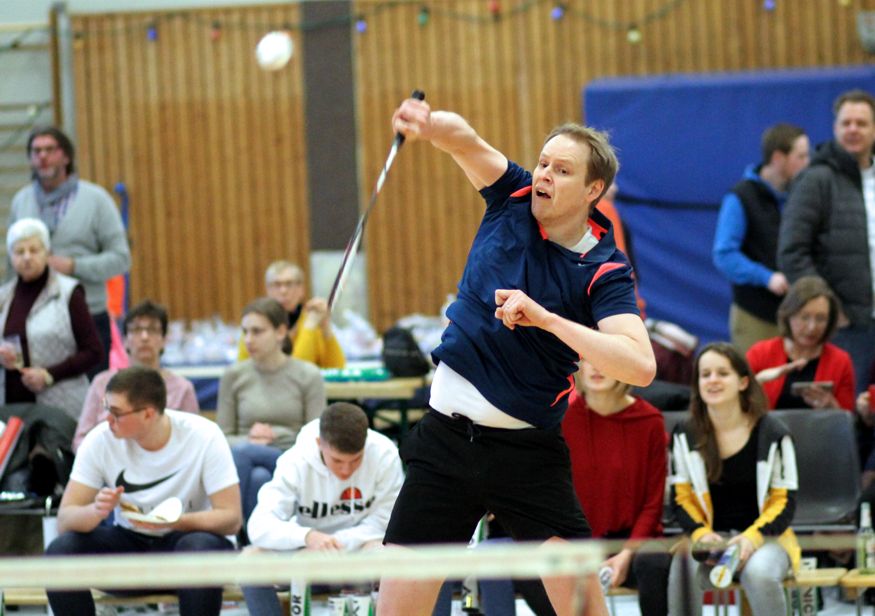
{"x": 152, "y": 330}
{"x": 284, "y": 284}
{"x": 116, "y": 414}
{"x": 807, "y": 319}
{"x": 49, "y": 149}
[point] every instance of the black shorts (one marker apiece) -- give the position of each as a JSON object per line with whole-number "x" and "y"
{"x": 458, "y": 471}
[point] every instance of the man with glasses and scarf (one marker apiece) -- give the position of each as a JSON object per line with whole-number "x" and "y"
{"x": 87, "y": 235}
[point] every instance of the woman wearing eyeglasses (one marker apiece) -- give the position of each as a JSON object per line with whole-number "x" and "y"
{"x": 310, "y": 336}
{"x": 49, "y": 339}
{"x": 807, "y": 318}
{"x": 266, "y": 399}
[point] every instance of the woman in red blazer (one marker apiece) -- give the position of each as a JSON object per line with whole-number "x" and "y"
{"x": 807, "y": 318}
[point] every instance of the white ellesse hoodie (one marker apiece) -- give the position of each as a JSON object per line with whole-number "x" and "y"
{"x": 304, "y": 495}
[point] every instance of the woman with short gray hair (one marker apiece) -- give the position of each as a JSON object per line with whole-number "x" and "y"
{"x": 49, "y": 340}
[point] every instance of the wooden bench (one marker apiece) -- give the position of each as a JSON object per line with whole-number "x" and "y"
{"x": 38, "y": 597}
{"x": 811, "y": 578}
{"x": 856, "y": 584}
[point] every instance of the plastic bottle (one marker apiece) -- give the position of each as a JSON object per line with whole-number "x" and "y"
{"x": 721, "y": 574}
{"x": 605, "y": 575}
{"x": 299, "y": 598}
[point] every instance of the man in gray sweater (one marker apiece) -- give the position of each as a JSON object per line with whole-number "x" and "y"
{"x": 828, "y": 225}
{"x": 88, "y": 238}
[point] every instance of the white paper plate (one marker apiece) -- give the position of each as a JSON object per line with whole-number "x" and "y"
{"x": 167, "y": 512}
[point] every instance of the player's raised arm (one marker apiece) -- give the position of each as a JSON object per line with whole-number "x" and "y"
{"x": 450, "y": 132}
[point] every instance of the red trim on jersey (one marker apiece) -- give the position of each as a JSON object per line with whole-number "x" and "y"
{"x": 522, "y": 192}
{"x": 597, "y": 230}
{"x": 543, "y": 231}
{"x": 604, "y": 268}
{"x": 565, "y": 392}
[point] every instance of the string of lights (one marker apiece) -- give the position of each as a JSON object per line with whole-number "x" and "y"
{"x": 491, "y": 12}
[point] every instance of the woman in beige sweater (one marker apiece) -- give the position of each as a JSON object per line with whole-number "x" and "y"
{"x": 264, "y": 400}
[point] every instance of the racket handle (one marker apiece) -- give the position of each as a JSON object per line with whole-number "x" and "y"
{"x": 420, "y": 96}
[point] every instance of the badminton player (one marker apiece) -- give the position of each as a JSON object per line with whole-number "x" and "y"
{"x": 544, "y": 285}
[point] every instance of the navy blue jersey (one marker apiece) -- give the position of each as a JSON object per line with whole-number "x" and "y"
{"x": 528, "y": 372}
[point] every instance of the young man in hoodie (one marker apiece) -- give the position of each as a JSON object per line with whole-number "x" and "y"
{"x": 333, "y": 490}
{"x": 746, "y": 237}
{"x": 828, "y": 226}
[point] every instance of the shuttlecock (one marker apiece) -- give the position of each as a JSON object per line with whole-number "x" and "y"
{"x": 274, "y": 50}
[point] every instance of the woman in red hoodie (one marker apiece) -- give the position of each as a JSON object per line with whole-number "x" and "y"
{"x": 618, "y": 453}
{"x": 807, "y": 318}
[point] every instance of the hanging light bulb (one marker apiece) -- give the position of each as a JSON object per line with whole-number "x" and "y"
{"x": 216, "y": 31}
{"x": 769, "y": 5}
{"x": 494, "y": 8}
{"x": 152, "y": 32}
{"x": 361, "y": 26}
{"x": 423, "y": 17}
{"x": 558, "y": 12}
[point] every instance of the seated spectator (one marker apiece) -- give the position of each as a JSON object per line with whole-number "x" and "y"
{"x": 266, "y": 399}
{"x": 620, "y": 483}
{"x": 49, "y": 338}
{"x": 865, "y": 437}
{"x": 145, "y": 331}
{"x": 807, "y": 318}
{"x": 334, "y": 490}
{"x": 733, "y": 477}
{"x": 312, "y": 338}
{"x": 138, "y": 458}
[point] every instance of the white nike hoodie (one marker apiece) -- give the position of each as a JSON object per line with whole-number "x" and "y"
{"x": 304, "y": 495}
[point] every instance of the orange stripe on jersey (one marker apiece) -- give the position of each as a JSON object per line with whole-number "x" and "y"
{"x": 597, "y": 230}
{"x": 604, "y": 268}
{"x": 543, "y": 231}
{"x": 565, "y": 392}
{"x": 522, "y": 192}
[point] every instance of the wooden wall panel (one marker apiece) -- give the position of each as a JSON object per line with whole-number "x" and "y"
{"x": 518, "y": 76}
{"x": 211, "y": 149}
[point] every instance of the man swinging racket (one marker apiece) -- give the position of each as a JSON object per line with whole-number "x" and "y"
{"x": 544, "y": 285}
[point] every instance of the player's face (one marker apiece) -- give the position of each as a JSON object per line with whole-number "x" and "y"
{"x": 47, "y": 160}
{"x": 286, "y": 287}
{"x": 854, "y": 129}
{"x": 560, "y": 190}
{"x": 342, "y": 465}
{"x": 260, "y": 337}
{"x": 719, "y": 383}
{"x": 808, "y": 325}
{"x": 145, "y": 341}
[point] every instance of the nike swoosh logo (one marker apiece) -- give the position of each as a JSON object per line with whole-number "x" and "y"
{"x": 136, "y": 487}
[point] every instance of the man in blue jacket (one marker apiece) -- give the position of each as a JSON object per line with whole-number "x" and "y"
{"x": 746, "y": 238}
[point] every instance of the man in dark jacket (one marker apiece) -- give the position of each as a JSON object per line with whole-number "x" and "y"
{"x": 828, "y": 226}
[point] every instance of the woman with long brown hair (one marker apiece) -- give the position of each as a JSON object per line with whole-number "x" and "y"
{"x": 734, "y": 482}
